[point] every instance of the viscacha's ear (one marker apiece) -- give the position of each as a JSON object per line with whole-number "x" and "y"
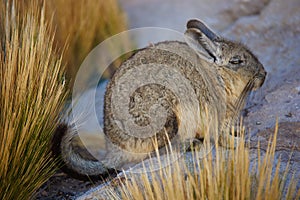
{"x": 203, "y": 40}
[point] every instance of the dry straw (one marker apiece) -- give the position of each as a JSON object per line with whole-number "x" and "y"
{"x": 84, "y": 24}
{"x": 36, "y": 38}
{"x": 31, "y": 96}
{"x": 222, "y": 174}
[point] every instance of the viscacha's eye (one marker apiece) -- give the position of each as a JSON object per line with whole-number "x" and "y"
{"x": 235, "y": 60}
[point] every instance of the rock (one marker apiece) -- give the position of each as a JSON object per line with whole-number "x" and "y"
{"x": 287, "y": 145}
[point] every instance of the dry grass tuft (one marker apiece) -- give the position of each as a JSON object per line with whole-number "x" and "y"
{"x": 222, "y": 174}
{"x": 32, "y": 35}
{"x": 83, "y": 24}
{"x": 31, "y": 96}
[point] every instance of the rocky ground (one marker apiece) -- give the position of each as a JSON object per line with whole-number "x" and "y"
{"x": 271, "y": 28}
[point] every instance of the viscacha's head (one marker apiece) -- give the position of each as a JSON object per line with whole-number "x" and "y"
{"x": 225, "y": 54}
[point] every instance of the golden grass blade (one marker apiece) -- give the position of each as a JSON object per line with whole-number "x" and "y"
{"x": 83, "y": 24}
{"x": 222, "y": 174}
{"x": 32, "y": 95}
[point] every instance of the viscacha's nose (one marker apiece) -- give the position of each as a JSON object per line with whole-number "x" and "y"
{"x": 261, "y": 75}
{"x": 262, "y": 72}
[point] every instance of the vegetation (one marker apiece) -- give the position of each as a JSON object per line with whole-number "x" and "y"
{"x": 222, "y": 174}
{"x": 31, "y": 96}
{"x": 84, "y": 24}
{"x": 38, "y": 38}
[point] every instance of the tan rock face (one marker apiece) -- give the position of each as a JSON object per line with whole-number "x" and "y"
{"x": 273, "y": 35}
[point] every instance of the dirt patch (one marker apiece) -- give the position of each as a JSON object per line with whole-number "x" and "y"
{"x": 63, "y": 187}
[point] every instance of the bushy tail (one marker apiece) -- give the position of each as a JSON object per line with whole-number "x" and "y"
{"x": 73, "y": 163}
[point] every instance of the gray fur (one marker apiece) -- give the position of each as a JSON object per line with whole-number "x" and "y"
{"x": 220, "y": 72}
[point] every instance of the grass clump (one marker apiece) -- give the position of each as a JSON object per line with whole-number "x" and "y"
{"x": 221, "y": 174}
{"x": 34, "y": 35}
{"x": 84, "y": 24}
{"x": 31, "y": 96}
